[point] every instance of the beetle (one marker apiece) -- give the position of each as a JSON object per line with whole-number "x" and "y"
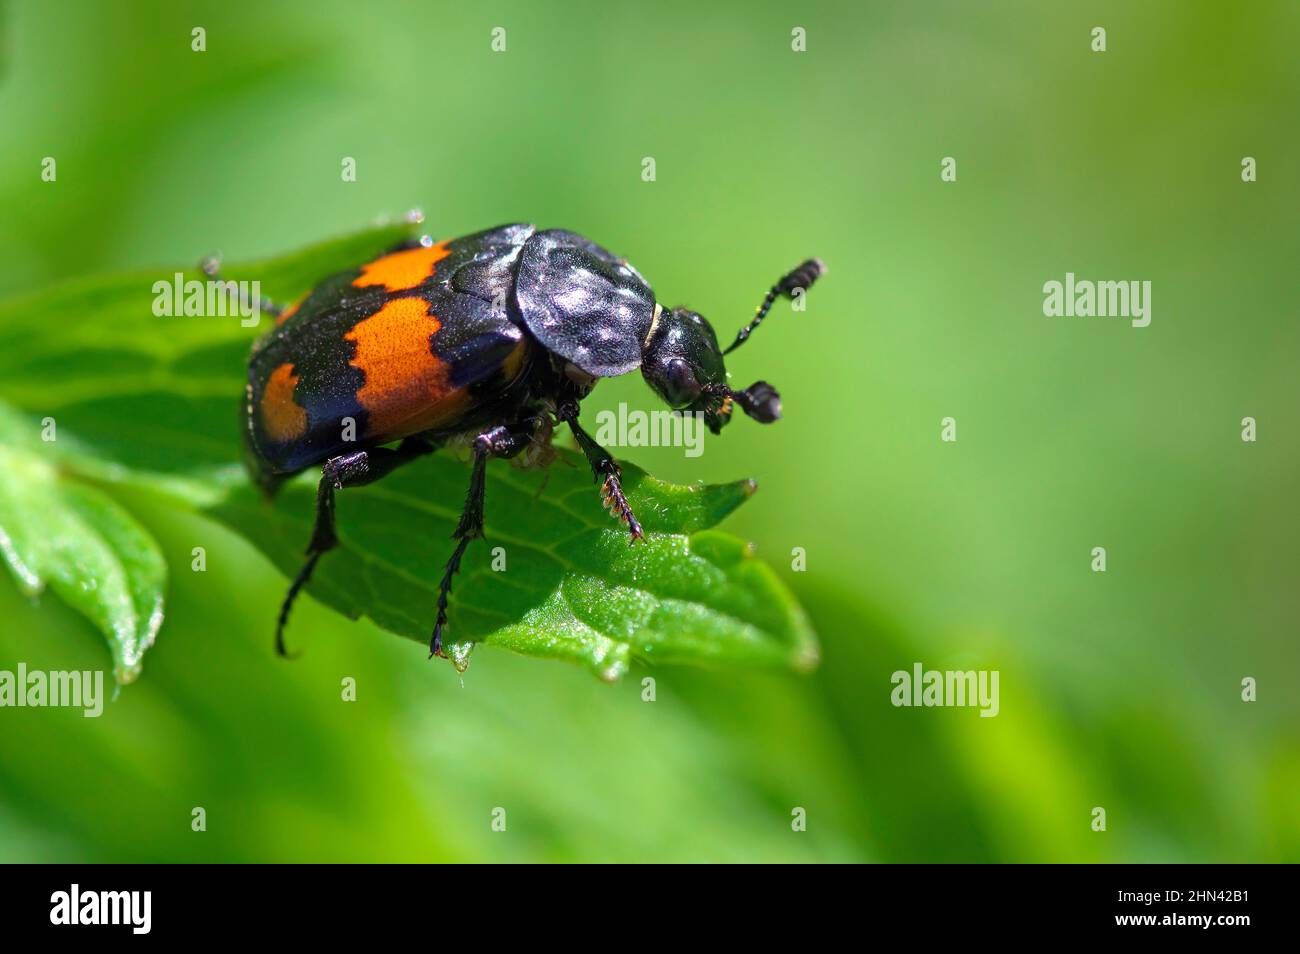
{"x": 494, "y": 338}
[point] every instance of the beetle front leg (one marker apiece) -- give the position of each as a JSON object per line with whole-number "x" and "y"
{"x": 603, "y": 466}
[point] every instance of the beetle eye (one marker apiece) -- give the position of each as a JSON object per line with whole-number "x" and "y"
{"x": 682, "y": 386}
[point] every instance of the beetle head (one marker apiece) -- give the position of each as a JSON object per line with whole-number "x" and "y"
{"x": 681, "y": 360}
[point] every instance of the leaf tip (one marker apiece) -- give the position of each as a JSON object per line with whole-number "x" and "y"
{"x": 610, "y": 662}
{"x": 806, "y": 658}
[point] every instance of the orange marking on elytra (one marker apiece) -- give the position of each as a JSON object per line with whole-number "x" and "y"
{"x": 408, "y": 388}
{"x": 282, "y": 419}
{"x": 402, "y": 271}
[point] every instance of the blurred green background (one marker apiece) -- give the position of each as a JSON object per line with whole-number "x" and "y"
{"x": 1119, "y": 690}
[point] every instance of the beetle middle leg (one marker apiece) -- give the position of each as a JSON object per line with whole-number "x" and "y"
{"x": 603, "y": 465}
{"x": 346, "y": 470}
{"x": 502, "y": 441}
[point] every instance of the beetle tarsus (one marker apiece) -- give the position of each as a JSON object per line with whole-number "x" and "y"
{"x": 603, "y": 466}
{"x": 611, "y": 492}
{"x": 444, "y": 591}
{"x": 299, "y": 582}
{"x": 469, "y": 528}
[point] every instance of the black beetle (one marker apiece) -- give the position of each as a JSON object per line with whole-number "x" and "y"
{"x": 495, "y": 337}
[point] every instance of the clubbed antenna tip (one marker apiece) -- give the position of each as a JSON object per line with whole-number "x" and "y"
{"x": 800, "y": 277}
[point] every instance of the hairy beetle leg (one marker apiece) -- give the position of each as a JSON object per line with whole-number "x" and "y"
{"x": 603, "y": 465}
{"x": 611, "y": 492}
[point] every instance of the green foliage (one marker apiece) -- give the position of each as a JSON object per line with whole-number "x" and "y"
{"x": 565, "y": 585}
{"x": 58, "y": 532}
{"x": 152, "y": 400}
{"x": 1120, "y": 690}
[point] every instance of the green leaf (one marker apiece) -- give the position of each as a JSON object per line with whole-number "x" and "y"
{"x": 61, "y": 533}
{"x": 154, "y": 402}
{"x": 566, "y": 584}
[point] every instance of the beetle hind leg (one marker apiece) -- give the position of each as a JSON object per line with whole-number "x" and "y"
{"x": 469, "y": 527}
{"x": 498, "y": 442}
{"x": 298, "y": 583}
{"x": 338, "y": 473}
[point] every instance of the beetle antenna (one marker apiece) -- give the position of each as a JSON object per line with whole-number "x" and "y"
{"x": 801, "y": 277}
